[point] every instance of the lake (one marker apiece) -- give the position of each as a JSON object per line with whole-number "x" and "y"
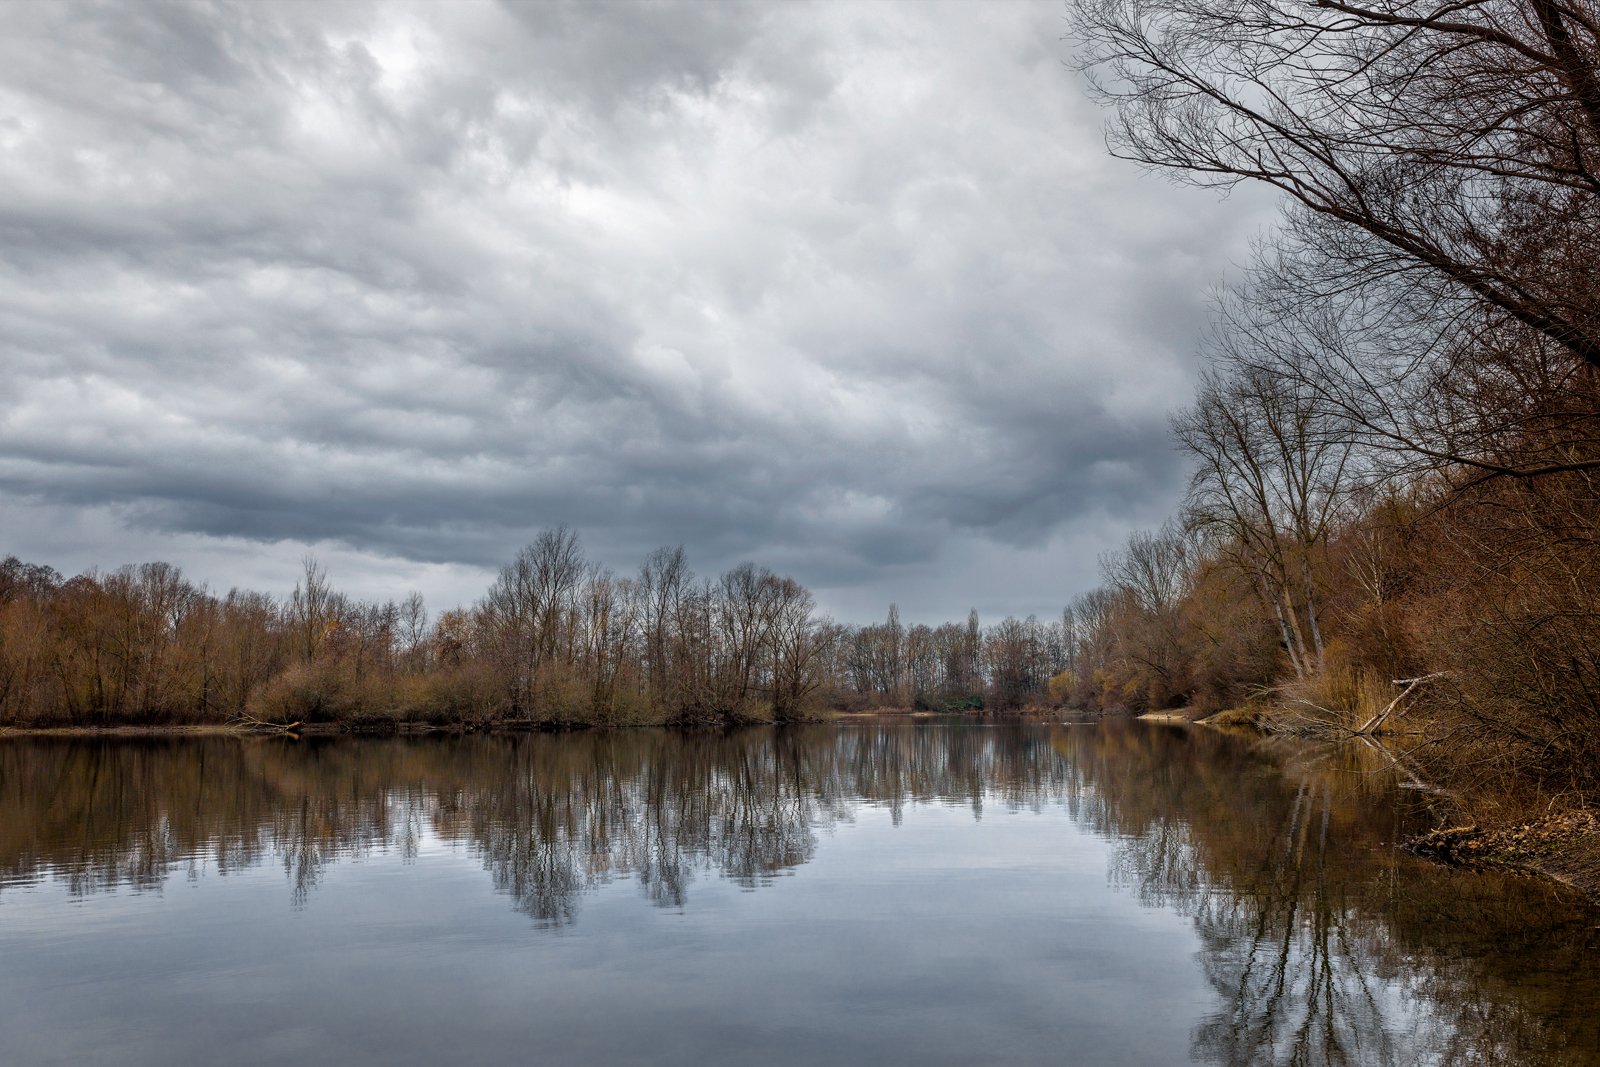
{"x": 884, "y": 893}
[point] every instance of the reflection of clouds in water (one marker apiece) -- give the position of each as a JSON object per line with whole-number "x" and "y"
{"x": 1322, "y": 943}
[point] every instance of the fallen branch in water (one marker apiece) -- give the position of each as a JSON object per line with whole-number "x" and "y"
{"x": 252, "y": 722}
{"x": 1409, "y": 778}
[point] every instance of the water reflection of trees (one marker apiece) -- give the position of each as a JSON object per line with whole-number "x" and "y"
{"x": 1324, "y": 944}
{"x": 551, "y": 816}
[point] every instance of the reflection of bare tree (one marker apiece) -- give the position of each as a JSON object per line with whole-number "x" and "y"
{"x": 550, "y": 816}
{"x": 317, "y": 829}
{"x": 1298, "y": 985}
{"x": 1323, "y": 944}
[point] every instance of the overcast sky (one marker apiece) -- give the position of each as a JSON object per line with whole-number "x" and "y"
{"x": 853, "y": 291}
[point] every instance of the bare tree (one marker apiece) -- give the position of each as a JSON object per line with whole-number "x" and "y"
{"x": 664, "y": 579}
{"x": 1272, "y": 473}
{"x": 1149, "y": 580}
{"x": 313, "y": 608}
{"x": 1455, "y": 142}
{"x": 533, "y": 602}
{"x": 412, "y": 631}
{"x": 799, "y": 646}
{"x": 748, "y": 609}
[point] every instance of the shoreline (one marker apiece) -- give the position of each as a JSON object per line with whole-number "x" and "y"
{"x": 417, "y": 729}
{"x": 385, "y": 728}
{"x": 1564, "y": 848}
{"x": 345, "y": 729}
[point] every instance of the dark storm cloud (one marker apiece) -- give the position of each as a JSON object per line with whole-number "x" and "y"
{"x": 844, "y": 288}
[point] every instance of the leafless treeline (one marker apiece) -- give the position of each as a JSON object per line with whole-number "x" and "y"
{"x": 1394, "y": 450}
{"x": 951, "y": 667}
{"x": 557, "y": 638}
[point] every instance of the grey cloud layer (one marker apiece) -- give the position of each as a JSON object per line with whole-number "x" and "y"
{"x": 826, "y": 285}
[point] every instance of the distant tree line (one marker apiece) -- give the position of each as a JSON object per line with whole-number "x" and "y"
{"x": 556, "y": 639}
{"x": 1396, "y": 443}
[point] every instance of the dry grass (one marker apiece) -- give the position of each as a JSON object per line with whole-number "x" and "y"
{"x": 1338, "y": 702}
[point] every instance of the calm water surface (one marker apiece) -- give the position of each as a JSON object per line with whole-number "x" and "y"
{"x": 933, "y": 894}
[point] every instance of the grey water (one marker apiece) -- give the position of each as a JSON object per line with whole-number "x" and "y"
{"x": 883, "y": 893}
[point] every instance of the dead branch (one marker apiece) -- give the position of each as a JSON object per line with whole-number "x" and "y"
{"x": 252, "y": 722}
{"x": 1377, "y": 720}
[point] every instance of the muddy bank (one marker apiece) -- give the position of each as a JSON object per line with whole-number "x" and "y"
{"x": 1565, "y": 847}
